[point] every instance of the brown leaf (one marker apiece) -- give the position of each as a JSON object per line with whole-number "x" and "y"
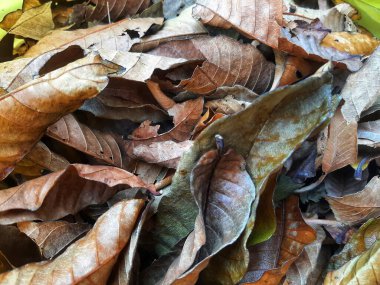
{"x": 259, "y": 20}
{"x": 357, "y": 207}
{"x": 34, "y": 23}
{"x": 182, "y": 27}
{"x": 206, "y": 120}
{"x": 58, "y": 194}
{"x": 228, "y": 63}
{"x": 90, "y": 259}
{"x": 113, "y": 36}
{"x": 270, "y": 260}
{"x": 124, "y": 99}
{"x": 98, "y": 144}
{"x": 223, "y": 191}
{"x": 118, "y": 9}
{"x": 34, "y": 106}
{"x": 341, "y": 148}
{"x": 166, "y": 153}
{"x": 53, "y": 237}
{"x": 297, "y": 68}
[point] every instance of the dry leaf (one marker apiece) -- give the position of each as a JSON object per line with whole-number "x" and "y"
{"x": 34, "y": 23}
{"x": 180, "y": 28}
{"x": 361, "y": 44}
{"x": 113, "y": 36}
{"x": 205, "y": 121}
{"x": 98, "y": 144}
{"x": 357, "y": 207}
{"x": 228, "y": 63}
{"x": 90, "y": 259}
{"x": 368, "y": 134}
{"x": 56, "y": 195}
{"x": 270, "y": 260}
{"x": 53, "y": 237}
{"x": 342, "y": 182}
{"x": 362, "y": 89}
{"x": 297, "y": 68}
{"x": 259, "y": 20}
{"x": 43, "y": 101}
{"x": 341, "y": 148}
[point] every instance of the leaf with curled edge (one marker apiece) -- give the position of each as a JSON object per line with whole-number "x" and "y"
{"x": 304, "y": 40}
{"x": 113, "y": 36}
{"x": 363, "y": 269}
{"x": 342, "y": 146}
{"x": 180, "y": 28}
{"x": 40, "y": 158}
{"x": 254, "y": 19}
{"x": 117, "y": 9}
{"x": 362, "y": 89}
{"x": 224, "y": 192}
{"x": 53, "y": 237}
{"x": 88, "y": 260}
{"x": 254, "y": 133}
{"x": 100, "y": 145}
{"x": 43, "y": 101}
{"x": 270, "y": 260}
{"x": 357, "y": 207}
{"x": 227, "y": 63}
{"x": 58, "y": 194}
{"x": 361, "y": 241}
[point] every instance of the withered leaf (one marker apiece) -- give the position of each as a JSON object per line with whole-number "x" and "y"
{"x": 43, "y": 101}
{"x": 58, "y": 194}
{"x": 270, "y": 260}
{"x": 259, "y": 20}
{"x": 90, "y": 259}
{"x": 254, "y": 133}
{"x": 98, "y": 144}
{"x": 357, "y": 207}
{"x": 361, "y": 90}
{"x": 53, "y": 237}
{"x": 368, "y": 133}
{"x": 113, "y": 36}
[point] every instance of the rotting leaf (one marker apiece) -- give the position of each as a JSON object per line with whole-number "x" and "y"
{"x": 90, "y": 259}
{"x": 58, "y": 194}
{"x": 53, "y": 237}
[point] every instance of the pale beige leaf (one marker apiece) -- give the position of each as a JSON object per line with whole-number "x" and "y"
{"x": 58, "y": 194}
{"x": 53, "y": 237}
{"x": 255, "y": 19}
{"x": 42, "y": 102}
{"x": 90, "y": 259}
{"x": 341, "y": 149}
{"x": 34, "y": 23}
{"x": 113, "y": 36}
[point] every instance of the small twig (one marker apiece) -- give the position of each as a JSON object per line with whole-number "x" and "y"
{"x": 163, "y": 183}
{"x": 324, "y": 222}
{"x": 297, "y": 15}
{"x": 108, "y": 13}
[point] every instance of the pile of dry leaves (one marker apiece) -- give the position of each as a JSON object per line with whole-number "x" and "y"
{"x": 190, "y": 142}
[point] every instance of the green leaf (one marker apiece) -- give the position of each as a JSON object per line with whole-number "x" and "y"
{"x": 370, "y": 14}
{"x": 7, "y": 7}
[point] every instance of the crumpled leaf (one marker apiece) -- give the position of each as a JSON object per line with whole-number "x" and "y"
{"x": 58, "y": 194}
{"x": 362, "y": 89}
{"x": 361, "y": 241}
{"x": 307, "y": 268}
{"x": 34, "y": 23}
{"x": 352, "y": 43}
{"x": 113, "y": 36}
{"x": 341, "y": 148}
{"x": 363, "y": 269}
{"x": 53, "y": 237}
{"x": 95, "y": 143}
{"x": 182, "y": 27}
{"x": 118, "y": 9}
{"x": 90, "y": 259}
{"x": 45, "y": 100}
{"x": 228, "y": 63}
{"x": 270, "y": 260}
{"x": 254, "y": 134}
{"x": 357, "y": 207}
{"x": 304, "y": 39}
{"x": 256, "y": 20}
{"x": 219, "y": 184}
